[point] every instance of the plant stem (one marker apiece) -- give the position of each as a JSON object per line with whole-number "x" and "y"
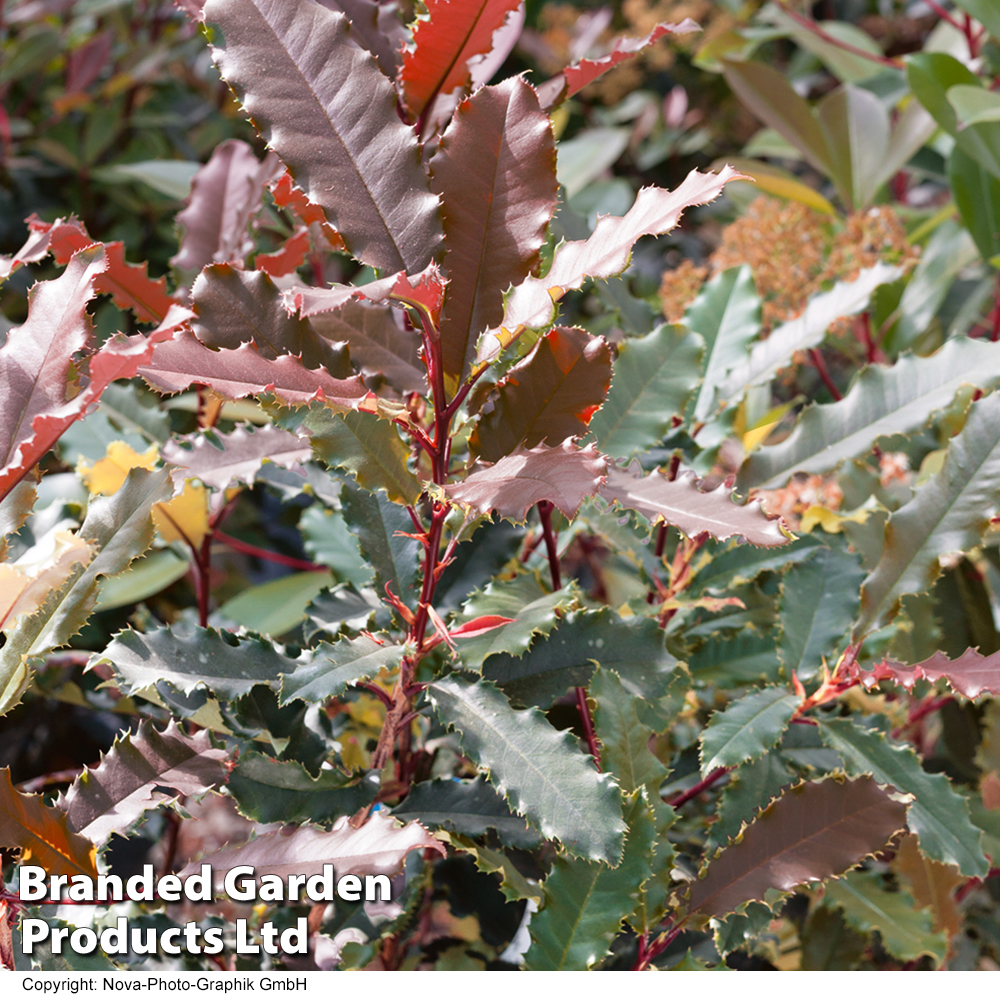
{"x": 545, "y": 516}
{"x": 819, "y": 363}
{"x": 695, "y": 790}
{"x": 945, "y": 15}
{"x": 275, "y": 557}
{"x": 588, "y": 726}
{"x": 812, "y": 26}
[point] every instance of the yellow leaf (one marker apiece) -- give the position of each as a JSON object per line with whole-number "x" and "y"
{"x": 829, "y": 520}
{"x": 782, "y": 184}
{"x": 932, "y": 883}
{"x": 25, "y": 584}
{"x": 185, "y": 518}
{"x": 107, "y": 474}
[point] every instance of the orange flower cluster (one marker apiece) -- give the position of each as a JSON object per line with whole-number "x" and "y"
{"x": 793, "y": 251}
{"x": 801, "y": 493}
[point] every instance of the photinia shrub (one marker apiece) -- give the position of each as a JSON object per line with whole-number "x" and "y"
{"x": 538, "y": 627}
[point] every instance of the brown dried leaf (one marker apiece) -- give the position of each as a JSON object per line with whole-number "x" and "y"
{"x": 566, "y": 476}
{"x": 681, "y": 503}
{"x": 815, "y": 831}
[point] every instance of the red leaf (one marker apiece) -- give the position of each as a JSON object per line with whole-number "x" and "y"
{"x": 574, "y": 78}
{"x": 681, "y": 503}
{"x": 119, "y": 357}
{"x": 813, "y": 832}
{"x": 287, "y": 195}
{"x": 36, "y": 360}
{"x": 425, "y": 292}
{"x": 443, "y": 44}
{"x": 184, "y": 361}
{"x": 225, "y": 195}
{"x": 238, "y": 307}
{"x": 128, "y": 284}
{"x": 375, "y": 27}
{"x": 549, "y": 396}
{"x": 566, "y": 476}
{"x": 321, "y": 103}
{"x": 495, "y": 170}
{"x": 605, "y": 253}
{"x": 286, "y": 260}
{"x": 480, "y": 626}
{"x": 969, "y": 675}
{"x": 308, "y": 301}
{"x": 36, "y": 247}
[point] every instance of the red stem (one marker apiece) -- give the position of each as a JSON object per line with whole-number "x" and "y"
{"x": 588, "y": 726}
{"x": 545, "y": 516}
{"x": 819, "y": 364}
{"x": 944, "y": 14}
{"x": 275, "y": 557}
{"x": 812, "y": 26}
{"x": 695, "y": 790}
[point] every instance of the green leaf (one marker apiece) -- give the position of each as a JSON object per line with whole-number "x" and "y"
{"x": 624, "y": 739}
{"x": 746, "y": 729}
{"x": 326, "y": 671}
{"x": 807, "y": 330}
{"x": 938, "y": 814}
{"x": 653, "y": 379}
{"x": 513, "y": 884}
{"x": 466, "y": 807}
{"x": 320, "y": 101}
{"x": 947, "y": 253}
{"x": 534, "y": 610}
{"x": 542, "y": 773}
{"x": 906, "y": 931}
{"x": 329, "y": 542}
{"x": 881, "y": 401}
{"x": 771, "y": 98}
{"x": 376, "y": 521}
{"x": 170, "y": 177}
{"x": 119, "y": 528}
{"x": 855, "y": 125}
{"x": 751, "y": 787}
{"x": 974, "y": 104}
{"x": 737, "y": 563}
{"x": 633, "y": 647}
{"x": 829, "y": 944}
{"x": 977, "y": 195}
{"x": 585, "y": 901}
{"x": 366, "y": 446}
{"x": 819, "y": 599}
{"x": 740, "y": 931}
{"x": 947, "y": 514}
{"x": 275, "y": 607}
{"x": 654, "y": 897}
{"x": 726, "y": 315}
{"x": 549, "y": 396}
{"x": 226, "y": 664}
{"x": 272, "y": 791}
{"x": 744, "y": 658}
{"x": 813, "y": 832}
{"x": 931, "y": 75}
{"x": 144, "y": 578}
